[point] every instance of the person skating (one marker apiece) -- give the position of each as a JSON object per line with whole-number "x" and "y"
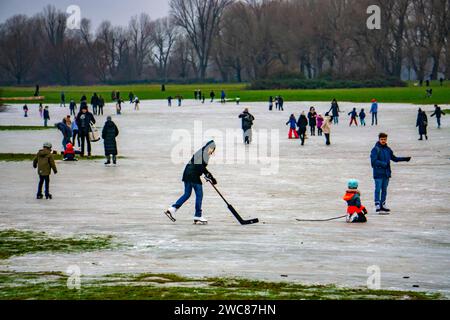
{"x": 374, "y": 112}
{"x": 292, "y": 122}
{"x": 72, "y": 107}
{"x": 25, "y": 111}
{"x": 312, "y": 119}
{"x": 44, "y": 163}
{"x": 169, "y": 101}
{"x": 41, "y": 110}
{"x": 356, "y": 212}
{"x": 335, "y": 111}
{"x": 109, "y": 134}
{"x": 136, "y": 103}
{"x": 247, "y": 124}
{"x": 320, "y": 121}
{"x": 191, "y": 179}
{"x": 63, "y": 100}
{"x": 46, "y": 116}
{"x": 131, "y": 97}
{"x": 270, "y": 103}
{"x": 353, "y": 114}
{"x": 422, "y": 124}
{"x": 281, "y": 103}
{"x": 94, "y": 103}
{"x": 326, "y": 128}
{"x": 212, "y": 95}
{"x": 438, "y": 113}
{"x": 302, "y": 125}
{"x": 84, "y": 120}
{"x": 362, "y": 118}
{"x": 381, "y": 157}
{"x": 223, "y": 97}
{"x": 101, "y": 104}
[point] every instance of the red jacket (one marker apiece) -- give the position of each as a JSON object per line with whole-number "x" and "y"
{"x": 69, "y": 149}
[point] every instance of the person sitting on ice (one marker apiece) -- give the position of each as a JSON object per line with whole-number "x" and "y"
{"x": 356, "y": 212}
{"x": 69, "y": 153}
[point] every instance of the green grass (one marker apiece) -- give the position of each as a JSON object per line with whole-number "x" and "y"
{"x": 410, "y": 94}
{"x": 53, "y": 286}
{"x": 24, "y": 128}
{"x": 11, "y": 157}
{"x": 18, "y": 242}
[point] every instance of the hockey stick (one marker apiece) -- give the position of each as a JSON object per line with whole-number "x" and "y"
{"x": 324, "y": 220}
{"x": 232, "y": 210}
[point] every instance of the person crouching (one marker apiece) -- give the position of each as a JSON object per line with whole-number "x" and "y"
{"x": 356, "y": 212}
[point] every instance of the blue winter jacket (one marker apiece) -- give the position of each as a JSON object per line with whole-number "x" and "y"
{"x": 381, "y": 157}
{"x": 292, "y": 122}
{"x": 374, "y": 108}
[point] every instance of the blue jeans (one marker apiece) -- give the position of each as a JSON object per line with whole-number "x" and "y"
{"x": 336, "y": 119}
{"x": 198, "y": 188}
{"x": 381, "y": 186}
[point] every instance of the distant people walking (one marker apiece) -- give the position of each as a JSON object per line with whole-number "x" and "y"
{"x": 335, "y": 111}
{"x": 320, "y": 121}
{"x": 292, "y": 122}
{"x": 280, "y": 103}
{"x": 302, "y": 125}
{"x": 223, "y": 97}
{"x": 169, "y": 101}
{"x": 374, "y": 112}
{"x": 381, "y": 157}
{"x": 94, "y": 103}
{"x": 131, "y": 97}
{"x": 109, "y": 134}
{"x": 362, "y": 118}
{"x": 41, "y": 110}
{"x": 84, "y": 120}
{"x": 25, "y": 111}
{"x": 212, "y": 95}
{"x": 312, "y": 119}
{"x": 422, "y": 124}
{"x": 180, "y": 100}
{"x": 44, "y": 163}
{"x": 36, "y": 91}
{"x": 72, "y": 107}
{"x": 353, "y": 117}
{"x": 247, "y": 124}
{"x": 438, "y": 113}
{"x": 46, "y": 116}
{"x": 326, "y": 128}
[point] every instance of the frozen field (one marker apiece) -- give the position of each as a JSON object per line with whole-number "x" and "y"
{"x": 127, "y": 201}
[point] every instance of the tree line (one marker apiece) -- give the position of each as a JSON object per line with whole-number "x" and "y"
{"x": 230, "y": 40}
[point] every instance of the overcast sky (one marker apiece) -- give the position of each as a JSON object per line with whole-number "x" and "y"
{"x": 116, "y": 11}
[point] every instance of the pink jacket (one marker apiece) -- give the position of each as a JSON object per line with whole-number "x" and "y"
{"x": 319, "y": 122}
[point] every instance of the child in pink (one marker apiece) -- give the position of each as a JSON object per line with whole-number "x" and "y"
{"x": 319, "y": 124}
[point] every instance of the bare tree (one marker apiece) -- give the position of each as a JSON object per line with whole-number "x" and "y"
{"x": 140, "y": 31}
{"x": 200, "y": 20}
{"x": 163, "y": 37}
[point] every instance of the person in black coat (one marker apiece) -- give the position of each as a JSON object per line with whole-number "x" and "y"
{"x": 191, "y": 178}
{"x": 247, "y": 124}
{"x": 312, "y": 116}
{"x": 84, "y": 120}
{"x": 109, "y": 134}
{"x": 302, "y": 125}
{"x": 94, "y": 103}
{"x": 438, "y": 113}
{"x": 422, "y": 124}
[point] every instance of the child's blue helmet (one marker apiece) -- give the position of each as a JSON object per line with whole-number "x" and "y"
{"x": 353, "y": 184}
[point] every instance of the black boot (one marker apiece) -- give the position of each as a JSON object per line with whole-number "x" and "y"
{"x": 39, "y": 196}
{"x": 48, "y": 196}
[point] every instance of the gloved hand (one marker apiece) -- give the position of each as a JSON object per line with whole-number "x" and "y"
{"x": 210, "y": 177}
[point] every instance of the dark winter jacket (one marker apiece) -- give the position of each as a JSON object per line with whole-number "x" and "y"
{"x": 197, "y": 166}
{"x": 83, "y": 121}
{"x": 94, "y": 100}
{"x": 46, "y": 114}
{"x": 362, "y": 115}
{"x": 312, "y": 119}
{"x": 44, "y": 162}
{"x": 422, "y": 122}
{"x": 65, "y": 130}
{"x": 109, "y": 134}
{"x": 72, "y": 105}
{"x": 438, "y": 113}
{"x": 302, "y": 123}
{"x": 381, "y": 157}
{"x": 334, "y": 109}
{"x": 353, "y": 114}
{"x": 247, "y": 120}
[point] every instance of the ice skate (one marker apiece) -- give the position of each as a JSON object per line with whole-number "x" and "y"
{"x": 384, "y": 209}
{"x": 170, "y": 212}
{"x": 200, "y": 220}
{"x": 48, "y": 196}
{"x": 39, "y": 196}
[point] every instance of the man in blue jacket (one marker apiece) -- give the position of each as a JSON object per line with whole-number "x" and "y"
{"x": 381, "y": 157}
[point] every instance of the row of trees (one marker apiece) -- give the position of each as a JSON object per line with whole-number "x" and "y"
{"x": 230, "y": 40}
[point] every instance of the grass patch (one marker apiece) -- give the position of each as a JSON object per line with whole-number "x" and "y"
{"x": 410, "y": 94}
{"x": 53, "y": 286}
{"x": 17, "y": 242}
{"x": 24, "y": 128}
{"x": 11, "y": 157}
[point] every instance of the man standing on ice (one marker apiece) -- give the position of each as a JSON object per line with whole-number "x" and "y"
{"x": 381, "y": 157}
{"x": 191, "y": 178}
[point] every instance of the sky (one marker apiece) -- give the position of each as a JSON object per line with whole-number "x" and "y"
{"x": 118, "y": 12}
